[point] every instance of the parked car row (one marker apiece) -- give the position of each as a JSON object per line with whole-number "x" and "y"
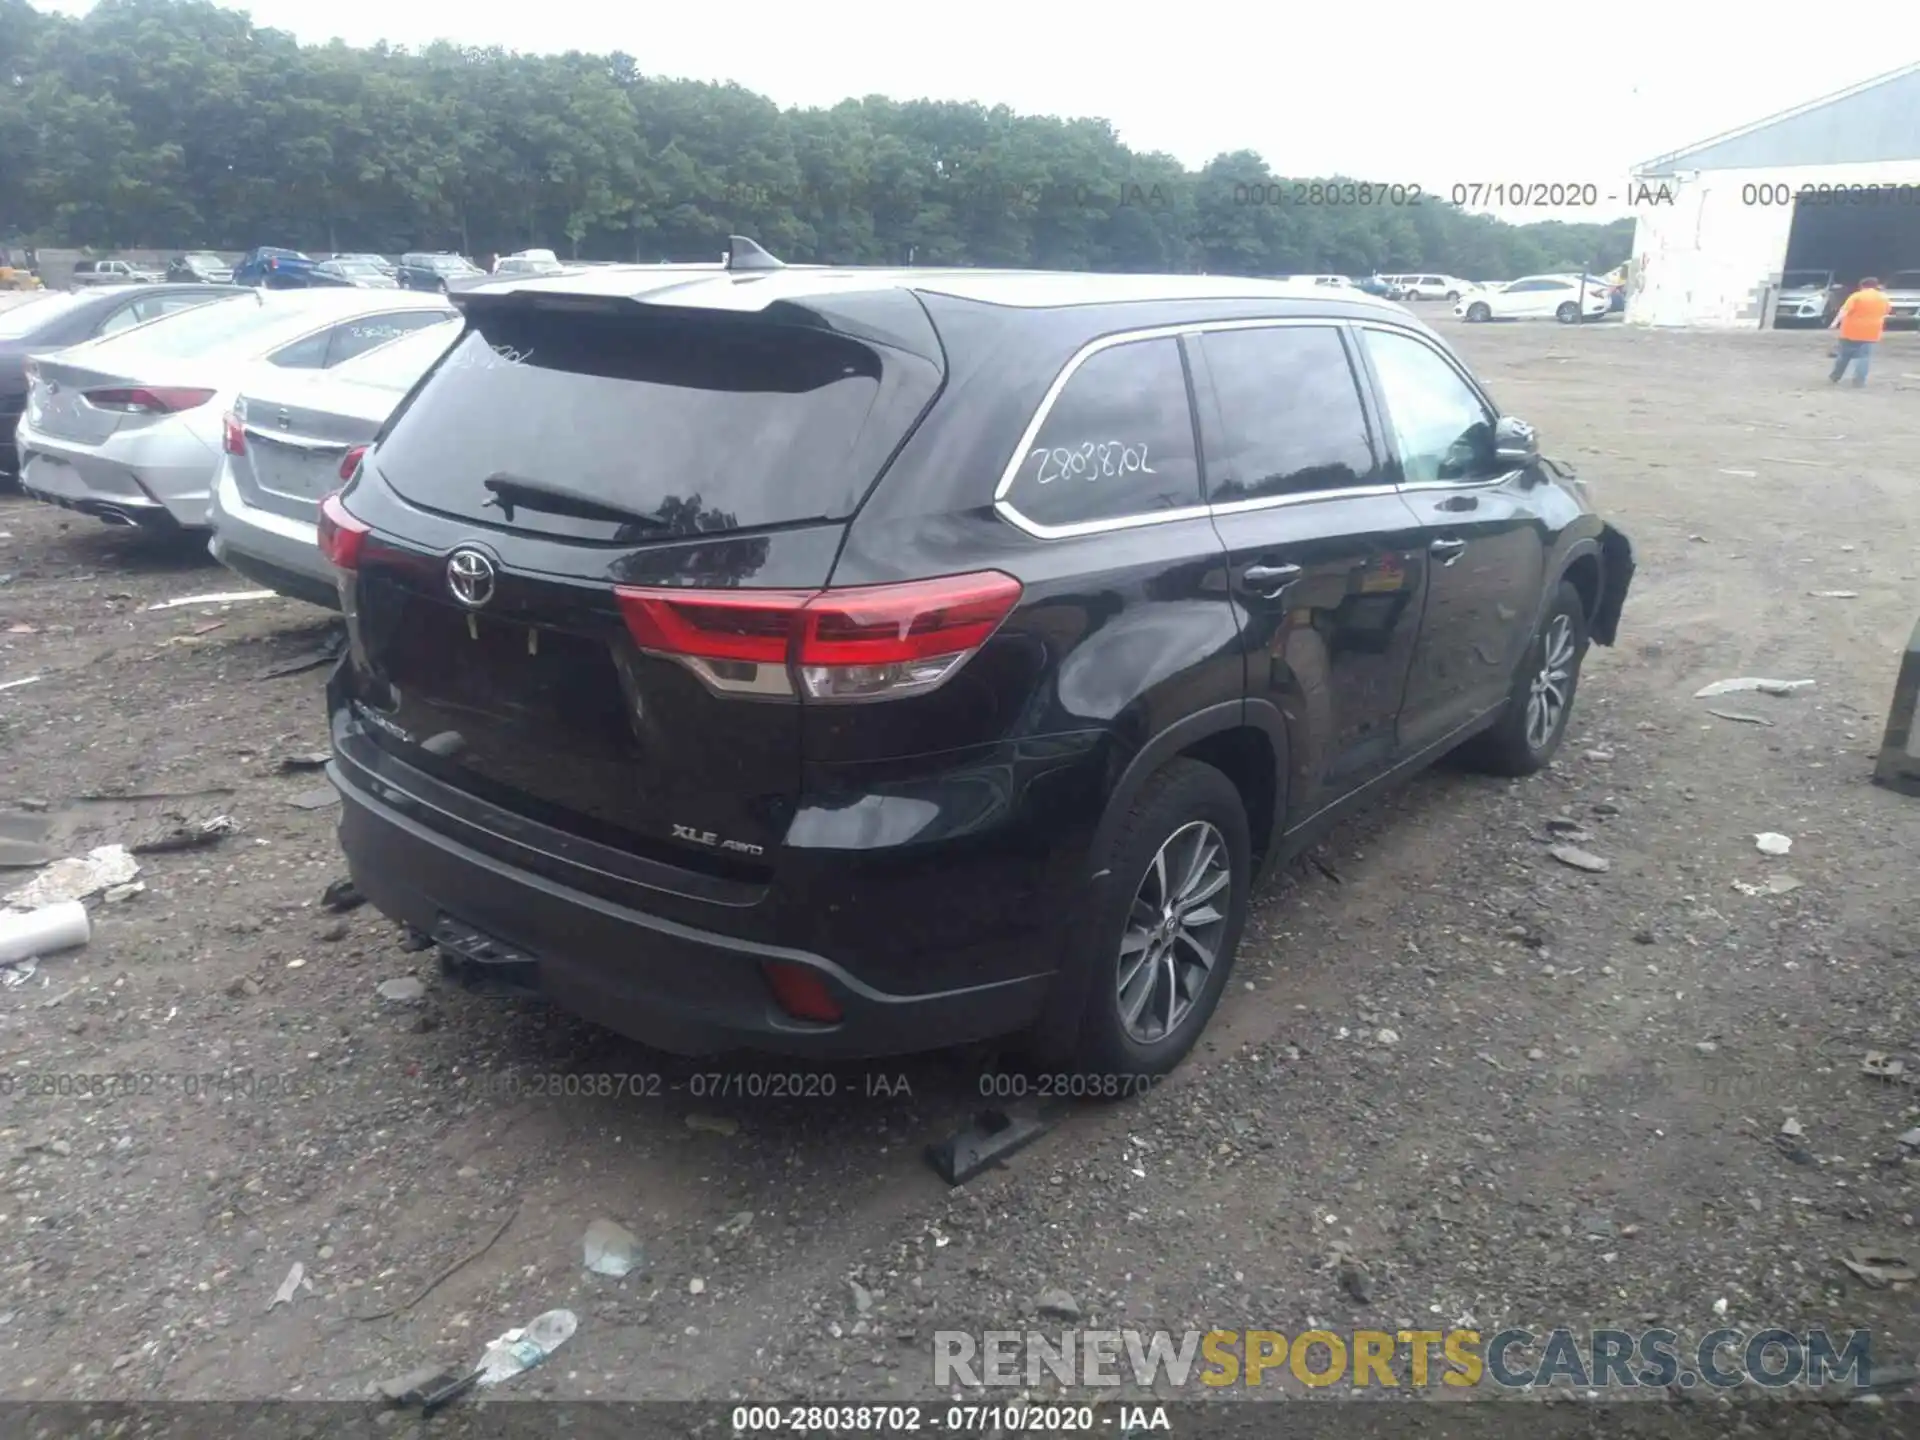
{"x": 846, "y": 662}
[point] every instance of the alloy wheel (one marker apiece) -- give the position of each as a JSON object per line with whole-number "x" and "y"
{"x": 1547, "y": 697}
{"x": 1174, "y": 927}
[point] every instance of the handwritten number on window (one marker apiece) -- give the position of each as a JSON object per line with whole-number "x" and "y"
{"x": 1094, "y": 460}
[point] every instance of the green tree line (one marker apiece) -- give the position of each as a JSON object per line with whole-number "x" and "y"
{"x": 175, "y": 123}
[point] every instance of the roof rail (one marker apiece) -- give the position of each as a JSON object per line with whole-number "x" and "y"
{"x": 745, "y": 254}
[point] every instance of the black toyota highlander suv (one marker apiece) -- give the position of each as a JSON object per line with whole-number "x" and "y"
{"x": 844, "y": 662}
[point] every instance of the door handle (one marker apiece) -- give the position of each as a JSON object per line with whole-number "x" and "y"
{"x": 1268, "y": 581}
{"x": 1447, "y": 551}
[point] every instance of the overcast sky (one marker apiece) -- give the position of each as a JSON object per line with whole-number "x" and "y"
{"x": 1434, "y": 96}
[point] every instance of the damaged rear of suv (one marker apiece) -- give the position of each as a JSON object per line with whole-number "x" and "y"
{"x": 844, "y": 663}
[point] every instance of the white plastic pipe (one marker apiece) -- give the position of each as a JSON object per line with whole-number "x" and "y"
{"x": 29, "y": 933}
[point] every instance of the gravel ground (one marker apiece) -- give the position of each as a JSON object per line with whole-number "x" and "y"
{"x": 1457, "y": 1082}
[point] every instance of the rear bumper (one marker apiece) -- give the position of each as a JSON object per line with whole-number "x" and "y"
{"x": 171, "y": 474}
{"x": 678, "y": 987}
{"x": 273, "y": 550}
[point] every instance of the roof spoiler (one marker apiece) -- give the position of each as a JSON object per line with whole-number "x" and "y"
{"x": 745, "y": 254}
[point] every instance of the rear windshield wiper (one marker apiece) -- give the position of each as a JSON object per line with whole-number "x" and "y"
{"x": 510, "y": 494}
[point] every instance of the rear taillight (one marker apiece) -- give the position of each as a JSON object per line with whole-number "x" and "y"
{"x": 233, "y": 435}
{"x": 148, "y": 399}
{"x": 868, "y": 642}
{"x": 340, "y": 534}
{"x": 350, "y": 462}
{"x": 801, "y": 992}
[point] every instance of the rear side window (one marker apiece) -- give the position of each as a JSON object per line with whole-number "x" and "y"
{"x": 1117, "y": 443}
{"x": 546, "y": 420}
{"x": 356, "y": 337}
{"x": 1289, "y": 411}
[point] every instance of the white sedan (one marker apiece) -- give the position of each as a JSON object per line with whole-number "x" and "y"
{"x": 129, "y": 428}
{"x": 1539, "y": 297}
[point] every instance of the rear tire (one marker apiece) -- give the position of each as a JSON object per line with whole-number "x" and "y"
{"x": 1479, "y": 313}
{"x": 1181, "y": 868}
{"x": 1453, "y": 297}
{"x": 1534, "y": 723}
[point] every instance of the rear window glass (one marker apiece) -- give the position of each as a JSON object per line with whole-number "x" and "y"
{"x": 190, "y": 332}
{"x": 1118, "y": 441}
{"x": 398, "y": 363}
{"x": 38, "y": 310}
{"x": 682, "y": 425}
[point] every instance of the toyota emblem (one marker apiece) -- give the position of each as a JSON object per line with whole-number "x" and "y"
{"x": 470, "y": 576}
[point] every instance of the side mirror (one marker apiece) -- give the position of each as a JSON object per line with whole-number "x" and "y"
{"x": 1514, "y": 442}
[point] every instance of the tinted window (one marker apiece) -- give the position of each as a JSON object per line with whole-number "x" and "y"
{"x": 356, "y": 337}
{"x": 397, "y": 364}
{"x": 1118, "y": 441}
{"x": 41, "y": 308}
{"x": 307, "y": 353}
{"x": 1290, "y": 412}
{"x": 1441, "y": 429}
{"x": 125, "y": 318}
{"x": 688, "y": 425}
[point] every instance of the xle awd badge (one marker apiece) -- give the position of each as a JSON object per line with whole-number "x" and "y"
{"x": 470, "y": 576}
{"x": 708, "y": 838}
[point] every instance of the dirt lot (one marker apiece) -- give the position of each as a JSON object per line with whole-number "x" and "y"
{"x": 1514, "y": 1091}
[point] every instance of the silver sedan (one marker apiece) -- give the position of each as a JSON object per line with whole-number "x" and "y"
{"x": 293, "y": 439}
{"x": 129, "y": 428}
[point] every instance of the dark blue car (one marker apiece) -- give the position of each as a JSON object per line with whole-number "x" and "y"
{"x": 273, "y": 268}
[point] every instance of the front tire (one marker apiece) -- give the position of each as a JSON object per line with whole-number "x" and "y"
{"x": 1160, "y": 945}
{"x": 1534, "y": 723}
{"x": 1568, "y": 313}
{"x": 1479, "y": 313}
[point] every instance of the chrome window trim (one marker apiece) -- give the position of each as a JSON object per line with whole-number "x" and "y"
{"x": 1011, "y": 513}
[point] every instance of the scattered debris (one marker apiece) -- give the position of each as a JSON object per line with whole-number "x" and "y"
{"x": 696, "y": 1286}
{"x": 1600, "y": 755}
{"x": 1789, "y": 460}
{"x": 1698, "y": 539}
{"x": 440, "y": 1279}
{"x": 713, "y": 1124}
{"x": 413, "y": 1387}
{"x": 521, "y": 1350}
{"x": 208, "y": 628}
{"x": 1777, "y": 885}
{"x": 104, "y": 798}
{"x": 342, "y": 895}
{"x": 1743, "y": 474}
{"x": 1355, "y": 1280}
{"x": 117, "y": 894}
{"x": 1911, "y": 1139}
{"x": 1580, "y": 859}
{"x": 23, "y": 841}
{"x": 1882, "y": 1067}
{"x": 17, "y": 974}
{"x": 325, "y": 653}
{"x": 863, "y": 1297}
{"x": 610, "y": 1249}
{"x": 77, "y": 878}
{"x": 1056, "y": 1303}
{"x": 1877, "y": 1268}
{"x": 188, "y": 837}
{"x": 315, "y": 799}
{"x": 992, "y": 1137}
{"x": 16, "y": 684}
{"x": 295, "y": 1282}
{"x": 1834, "y": 594}
{"x": 1742, "y": 717}
{"x": 225, "y": 597}
{"x": 405, "y": 990}
{"x": 29, "y": 934}
{"x": 292, "y": 764}
{"x": 1751, "y": 682}
{"x": 1772, "y": 842}
{"x": 1792, "y": 1127}
{"x": 737, "y": 1224}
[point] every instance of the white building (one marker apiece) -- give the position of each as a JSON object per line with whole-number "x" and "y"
{"x": 1830, "y": 186}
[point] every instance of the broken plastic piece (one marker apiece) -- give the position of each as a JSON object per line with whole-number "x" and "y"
{"x": 222, "y": 598}
{"x": 29, "y": 934}
{"x": 993, "y": 1136}
{"x": 610, "y": 1248}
